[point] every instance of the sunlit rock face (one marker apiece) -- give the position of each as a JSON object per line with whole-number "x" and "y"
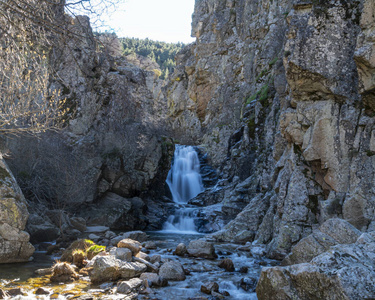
{"x": 280, "y": 93}
{"x": 14, "y": 242}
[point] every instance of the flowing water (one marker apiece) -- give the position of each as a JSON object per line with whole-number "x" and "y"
{"x": 185, "y": 183}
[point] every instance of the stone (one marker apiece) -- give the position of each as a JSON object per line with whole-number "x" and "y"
{"x": 139, "y": 236}
{"x": 248, "y": 284}
{"x": 226, "y": 264}
{"x": 154, "y": 279}
{"x": 16, "y": 292}
{"x": 105, "y": 268}
{"x": 78, "y": 223}
{"x": 133, "y": 245}
{"x": 181, "y": 249}
{"x": 124, "y": 254}
{"x": 155, "y": 259}
{"x": 209, "y": 287}
{"x": 150, "y": 245}
{"x": 143, "y": 255}
{"x": 343, "y": 272}
{"x": 41, "y": 229}
{"x": 14, "y": 242}
{"x": 132, "y": 269}
{"x": 132, "y": 285}
{"x": 42, "y": 291}
{"x": 172, "y": 270}
{"x": 340, "y": 230}
{"x": 3, "y": 294}
{"x": 201, "y": 248}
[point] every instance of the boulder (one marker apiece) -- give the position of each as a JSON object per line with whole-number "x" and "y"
{"x": 181, "y": 249}
{"x": 42, "y": 291}
{"x": 172, "y": 270}
{"x": 201, "y": 248}
{"x": 105, "y": 268}
{"x": 124, "y": 254}
{"x": 154, "y": 279}
{"x": 209, "y": 287}
{"x": 132, "y": 285}
{"x": 132, "y": 269}
{"x": 139, "y": 236}
{"x": 133, "y": 245}
{"x": 227, "y": 264}
{"x": 331, "y": 232}
{"x": 41, "y": 229}
{"x": 346, "y": 271}
{"x": 14, "y": 242}
{"x": 78, "y": 223}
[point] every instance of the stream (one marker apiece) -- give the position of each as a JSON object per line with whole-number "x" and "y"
{"x": 185, "y": 183}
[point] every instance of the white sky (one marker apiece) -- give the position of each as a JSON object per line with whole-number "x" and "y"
{"x": 160, "y": 20}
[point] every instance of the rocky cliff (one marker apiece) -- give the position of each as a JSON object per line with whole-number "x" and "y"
{"x": 280, "y": 95}
{"x": 14, "y": 242}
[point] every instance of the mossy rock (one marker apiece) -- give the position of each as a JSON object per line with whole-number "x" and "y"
{"x": 94, "y": 250}
{"x": 82, "y": 244}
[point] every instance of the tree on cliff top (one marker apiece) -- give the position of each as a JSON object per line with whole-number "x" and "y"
{"x": 29, "y": 29}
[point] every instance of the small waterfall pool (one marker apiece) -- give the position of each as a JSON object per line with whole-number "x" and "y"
{"x": 185, "y": 183}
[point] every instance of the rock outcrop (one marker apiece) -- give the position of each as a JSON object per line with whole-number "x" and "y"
{"x": 14, "y": 242}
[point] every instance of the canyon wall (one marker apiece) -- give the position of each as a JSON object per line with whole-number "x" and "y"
{"x": 280, "y": 94}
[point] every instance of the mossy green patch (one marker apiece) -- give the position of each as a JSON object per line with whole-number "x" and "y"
{"x": 94, "y": 250}
{"x": 4, "y": 173}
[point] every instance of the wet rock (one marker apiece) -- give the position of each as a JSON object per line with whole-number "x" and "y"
{"x": 181, "y": 249}
{"x": 248, "y": 284}
{"x": 139, "y": 236}
{"x": 16, "y": 292}
{"x": 42, "y": 291}
{"x": 172, "y": 270}
{"x": 201, "y": 248}
{"x": 133, "y": 245}
{"x": 132, "y": 285}
{"x": 227, "y": 264}
{"x": 63, "y": 272}
{"x": 43, "y": 272}
{"x": 244, "y": 269}
{"x": 124, "y": 254}
{"x": 155, "y": 258}
{"x": 209, "y": 287}
{"x": 3, "y": 294}
{"x": 154, "y": 279}
{"x": 41, "y": 229}
{"x": 150, "y": 245}
{"x": 217, "y": 295}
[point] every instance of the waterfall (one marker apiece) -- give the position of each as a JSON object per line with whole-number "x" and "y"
{"x": 185, "y": 183}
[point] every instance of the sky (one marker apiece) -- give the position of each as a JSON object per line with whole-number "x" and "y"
{"x": 161, "y": 20}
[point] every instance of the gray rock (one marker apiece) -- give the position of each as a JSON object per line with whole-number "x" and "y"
{"x": 209, "y": 287}
{"x": 132, "y": 285}
{"x": 181, "y": 249}
{"x": 14, "y": 242}
{"x": 201, "y": 248}
{"x": 132, "y": 269}
{"x": 343, "y": 272}
{"x": 133, "y": 245}
{"x": 124, "y": 254}
{"x": 172, "y": 270}
{"x": 139, "y": 236}
{"x": 154, "y": 279}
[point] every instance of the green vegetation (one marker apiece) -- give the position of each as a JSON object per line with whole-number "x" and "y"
{"x": 3, "y": 173}
{"x": 160, "y": 52}
{"x": 94, "y": 250}
{"x": 261, "y": 95}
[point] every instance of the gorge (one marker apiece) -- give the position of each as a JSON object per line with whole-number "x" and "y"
{"x": 277, "y": 97}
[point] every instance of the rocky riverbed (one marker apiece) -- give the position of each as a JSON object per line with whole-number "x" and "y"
{"x": 175, "y": 266}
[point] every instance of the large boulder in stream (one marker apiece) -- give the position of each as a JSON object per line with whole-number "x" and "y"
{"x": 14, "y": 242}
{"x": 201, "y": 248}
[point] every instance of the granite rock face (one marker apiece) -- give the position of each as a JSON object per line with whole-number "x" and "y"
{"x": 14, "y": 242}
{"x": 280, "y": 95}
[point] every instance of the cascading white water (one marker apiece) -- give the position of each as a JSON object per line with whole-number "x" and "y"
{"x": 185, "y": 183}
{"x": 184, "y": 179}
